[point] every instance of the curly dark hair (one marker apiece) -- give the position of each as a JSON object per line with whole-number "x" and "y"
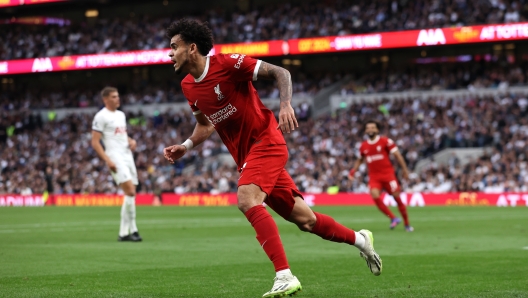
{"x": 378, "y": 125}
{"x": 192, "y": 31}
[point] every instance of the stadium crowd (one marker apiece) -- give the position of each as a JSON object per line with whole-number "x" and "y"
{"x": 144, "y": 92}
{"x": 442, "y": 76}
{"x": 56, "y": 156}
{"x": 445, "y": 76}
{"x": 272, "y": 22}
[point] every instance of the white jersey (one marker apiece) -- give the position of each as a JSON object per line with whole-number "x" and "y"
{"x": 113, "y": 126}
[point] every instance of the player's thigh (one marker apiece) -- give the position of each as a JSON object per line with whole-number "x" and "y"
{"x": 133, "y": 171}
{"x": 128, "y": 187}
{"x": 392, "y": 186}
{"x": 123, "y": 173}
{"x": 375, "y": 188}
{"x": 259, "y": 174}
{"x": 249, "y": 196}
{"x": 284, "y": 199}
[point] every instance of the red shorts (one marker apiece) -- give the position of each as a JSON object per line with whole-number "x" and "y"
{"x": 390, "y": 184}
{"x": 264, "y": 166}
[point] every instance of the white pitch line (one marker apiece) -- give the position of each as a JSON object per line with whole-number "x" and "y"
{"x": 525, "y": 248}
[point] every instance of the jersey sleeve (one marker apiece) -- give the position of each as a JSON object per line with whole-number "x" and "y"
{"x": 241, "y": 67}
{"x": 361, "y": 152}
{"x": 192, "y": 104}
{"x": 98, "y": 123}
{"x": 391, "y": 146}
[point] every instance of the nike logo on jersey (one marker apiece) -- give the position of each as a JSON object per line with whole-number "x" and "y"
{"x": 219, "y": 94}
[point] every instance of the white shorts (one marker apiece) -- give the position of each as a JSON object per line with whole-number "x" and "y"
{"x": 126, "y": 169}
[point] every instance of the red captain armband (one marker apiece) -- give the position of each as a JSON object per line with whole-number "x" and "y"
{"x": 352, "y": 172}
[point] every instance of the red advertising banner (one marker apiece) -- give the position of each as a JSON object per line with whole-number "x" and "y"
{"x": 199, "y": 199}
{"x": 79, "y": 62}
{"x": 7, "y": 200}
{"x": 7, "y": 3}
{"x": 411, "y": 38}
{"x": 230, "y": 199}
{"x": 363, "y": 199}
{"x": 384, "y": 40}
{"x": 133, "y": 58}
{"x": 254, "y": 49}
{"x": 97, "y": 200}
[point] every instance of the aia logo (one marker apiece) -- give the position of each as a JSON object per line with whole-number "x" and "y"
{"x": 431, "y": 37}
{"x": 120, "y": 130}
{"x": 219, "y": 94}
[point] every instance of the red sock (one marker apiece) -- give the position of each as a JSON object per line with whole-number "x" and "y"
{"x": 403, "y": 210}
{"x": 328, "y": 229}
{"x": 383, "y": 208}
{"x": 268, "y": 236}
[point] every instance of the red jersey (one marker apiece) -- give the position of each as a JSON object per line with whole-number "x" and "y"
{"x": 376, "y": 154}
{"x": 225, "y": 95}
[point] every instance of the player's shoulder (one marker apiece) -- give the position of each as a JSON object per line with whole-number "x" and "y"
{"x": 384, "y": 139}
{"x": 230, "y": 59}
{"x": 121, "y": 113}
{"x": 187, "y": 80}
{"x": 187, "y": 84}
{"x": 101, "y": 113}
{"x": 387, "y": 140}
{"x": 364, "y": 144}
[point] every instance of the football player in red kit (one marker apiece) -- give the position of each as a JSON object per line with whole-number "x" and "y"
{"x": 220, "y": 93}
{"x": 376, "y": 151}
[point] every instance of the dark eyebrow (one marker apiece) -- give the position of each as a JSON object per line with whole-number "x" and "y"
{"x": 173, "y": 44}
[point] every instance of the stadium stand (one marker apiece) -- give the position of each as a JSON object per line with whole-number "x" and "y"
{"x": 324, "y": 149}
{"x": 272, "y": 22}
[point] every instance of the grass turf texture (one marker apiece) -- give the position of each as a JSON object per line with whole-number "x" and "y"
{"x": 212, "y": 252}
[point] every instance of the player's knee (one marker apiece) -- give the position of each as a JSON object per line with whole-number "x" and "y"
{"x": 246, "y": 202}
{"x": 244, "y": 206}
{"x": 130, "y": 191}
{"x": 307, "y": 223}
{"x": 248, "y": 197}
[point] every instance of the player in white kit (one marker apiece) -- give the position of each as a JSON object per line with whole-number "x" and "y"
{"x": 109, "y": 125}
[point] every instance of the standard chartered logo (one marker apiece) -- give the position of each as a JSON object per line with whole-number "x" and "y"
{"x": 222, "y": 114}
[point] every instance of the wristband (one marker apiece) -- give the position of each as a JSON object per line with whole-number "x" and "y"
{"x": 188, "y": 144}
{"x": 351, "y": 173}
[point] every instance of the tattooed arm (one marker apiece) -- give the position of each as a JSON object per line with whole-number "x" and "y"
{"x": 287, "y": 121}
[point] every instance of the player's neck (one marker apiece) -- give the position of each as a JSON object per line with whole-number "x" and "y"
{"x": 110, "y": 109}
{"x": 199, "y": 67}
{"x": 374, "y": 139}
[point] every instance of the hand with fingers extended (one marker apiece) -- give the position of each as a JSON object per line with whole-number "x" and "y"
{"x": 174, "y": 152}
{"x": 287, "y": 121}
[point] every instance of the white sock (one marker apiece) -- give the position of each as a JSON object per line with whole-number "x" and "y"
{"x": 131, "y": 208}
{"x": 360, "y": 241}
{"x": 284, "y": 272}
{"x": 123, "y": 228}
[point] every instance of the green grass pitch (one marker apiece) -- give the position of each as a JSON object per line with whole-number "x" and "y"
{"x": 212, "y": 252}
